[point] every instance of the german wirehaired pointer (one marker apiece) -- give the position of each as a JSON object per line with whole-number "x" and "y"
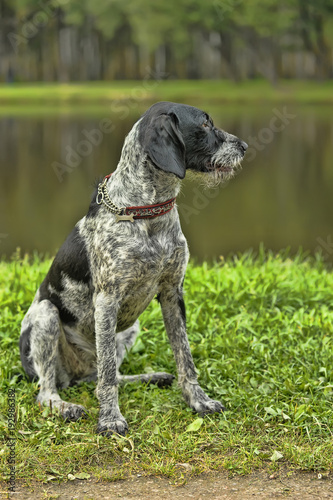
{"x": 128, "y": 249}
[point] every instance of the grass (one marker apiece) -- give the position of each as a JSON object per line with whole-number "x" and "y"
{"x": 187, "y": 91}
{"x": 260, "y": 329}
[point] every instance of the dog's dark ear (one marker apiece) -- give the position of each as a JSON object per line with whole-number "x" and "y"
{"x": 164, "y": 144}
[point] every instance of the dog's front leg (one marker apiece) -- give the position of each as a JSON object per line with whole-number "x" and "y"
{"x": 173, "y": 309}
{"x": 110, "y": 418}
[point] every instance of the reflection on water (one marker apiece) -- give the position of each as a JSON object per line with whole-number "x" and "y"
{"x": 283, "y": 196}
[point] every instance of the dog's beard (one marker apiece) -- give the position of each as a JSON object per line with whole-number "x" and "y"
{"x": 222, "y": 167}
{"x": 210, "y": 180}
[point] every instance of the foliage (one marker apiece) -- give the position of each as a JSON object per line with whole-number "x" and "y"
{"x": 179, "y": 27}
{"x": 260, "y": 329}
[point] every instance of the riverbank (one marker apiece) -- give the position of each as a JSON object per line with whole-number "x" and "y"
{"x": 208, "y": 91}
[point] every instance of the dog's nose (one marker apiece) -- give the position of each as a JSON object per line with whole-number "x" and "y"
{"x": 243, "y": 145}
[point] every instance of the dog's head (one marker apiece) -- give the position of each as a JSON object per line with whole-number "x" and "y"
{"x": 177, "y": 137}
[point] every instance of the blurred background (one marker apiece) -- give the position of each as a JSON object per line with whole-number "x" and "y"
{"x": 75, "y": 76}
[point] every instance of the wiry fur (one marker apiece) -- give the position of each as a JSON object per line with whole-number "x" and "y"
{"x": 84, "y": 315}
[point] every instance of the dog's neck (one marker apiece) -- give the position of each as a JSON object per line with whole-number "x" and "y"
{"x": 135, "y": 170}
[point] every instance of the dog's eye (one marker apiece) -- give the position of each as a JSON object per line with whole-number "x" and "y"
{"x": 206, "y": 124}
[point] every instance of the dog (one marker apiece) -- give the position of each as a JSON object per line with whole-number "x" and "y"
{"x": 128, "y": 249}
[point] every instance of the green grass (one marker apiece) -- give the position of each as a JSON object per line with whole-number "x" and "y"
{"x": 260, "y": 330}
{"x": 188, "y": 91}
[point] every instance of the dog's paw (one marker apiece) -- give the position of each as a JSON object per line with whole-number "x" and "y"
{"x": 118, "y": 426}
{"x": 70, "y": 411}
{"x": 208, "y": 406}
{"x": 198, "y": 400}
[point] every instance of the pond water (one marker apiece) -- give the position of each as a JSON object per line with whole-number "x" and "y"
{"x": 282, "y": 197}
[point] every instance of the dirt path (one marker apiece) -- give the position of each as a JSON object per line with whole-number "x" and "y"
{"x": 208, "y": 486}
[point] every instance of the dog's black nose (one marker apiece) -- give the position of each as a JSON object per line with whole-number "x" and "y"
{"x": 243, "y": 145}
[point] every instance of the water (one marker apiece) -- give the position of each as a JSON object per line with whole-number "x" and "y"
{"x": 282, "y": 197}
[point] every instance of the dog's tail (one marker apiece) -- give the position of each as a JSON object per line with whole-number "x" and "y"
{"x": 25, "y": 354}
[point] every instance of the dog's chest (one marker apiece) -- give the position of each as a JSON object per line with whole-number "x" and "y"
{"x": 133, "y": 262}
{"x": 150, "y": 272}
{"x": 134, "y": 303}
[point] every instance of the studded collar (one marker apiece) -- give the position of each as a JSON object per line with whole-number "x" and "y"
{"x": 131, "y": 213}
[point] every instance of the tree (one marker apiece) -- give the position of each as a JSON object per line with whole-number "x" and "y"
{"x": 315, "y": 26}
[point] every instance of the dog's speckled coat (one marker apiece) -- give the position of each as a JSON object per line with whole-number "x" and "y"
{"x": 84, "y": 315}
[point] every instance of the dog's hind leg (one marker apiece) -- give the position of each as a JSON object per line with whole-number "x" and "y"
{"x": 124, "y": 341}
{"x": 161, "y": 379}
{"x": 39, "y": 346}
